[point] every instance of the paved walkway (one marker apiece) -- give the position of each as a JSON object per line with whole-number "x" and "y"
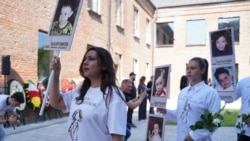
{"x": 55, "y": 130}
{"x": 139, "y": 133}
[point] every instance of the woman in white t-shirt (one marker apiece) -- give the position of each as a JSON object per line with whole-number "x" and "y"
{"x": 193, "y": 100}
{"x": 97, "y": 108}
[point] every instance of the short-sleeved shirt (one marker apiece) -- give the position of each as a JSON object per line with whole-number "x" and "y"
{"x": 93, "y": 119}
{"x": 128, "y": 96}
{"x": 3, "y": 105}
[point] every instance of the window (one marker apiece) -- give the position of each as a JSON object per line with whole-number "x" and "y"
{"x": 118, "y": 63}
{"x": 119, "y": 13}
{"x": 196, "y": 32}
{"x": 94, "y": 5}
{"x": 44, "y": 56}
{"x": 148, "y": 32}
{"x": 135, "y": 66}
{"x": 165, "y": 33}
{"x": 136, "y": 22}
{"x": 231, "y": 22}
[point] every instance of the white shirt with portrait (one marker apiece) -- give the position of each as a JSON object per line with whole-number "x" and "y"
{"x": 192, "y": 102}
{"x": 92, "y": 119}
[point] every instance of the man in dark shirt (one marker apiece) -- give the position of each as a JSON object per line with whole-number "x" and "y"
{"x": 132, "y": 103}
{"x": 132, "y": 76}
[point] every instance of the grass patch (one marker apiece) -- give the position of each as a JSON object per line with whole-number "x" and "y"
{"x": 229, "y": 119}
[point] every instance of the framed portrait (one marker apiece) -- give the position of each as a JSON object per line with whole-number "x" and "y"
{"x": 63, "y": 24}
{"x": 224, "y": 80}
{"x": 155, "y": 128}
{"x": 222, "y": 46}
{"x": 160, "y": 87}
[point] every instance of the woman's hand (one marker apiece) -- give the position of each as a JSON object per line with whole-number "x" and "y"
{"x": 161, "y": 110}
{"x": 150, "y": 136}
{"x": 188, "y": 138}
{"x": 55, "y": 64}
{"x": 247, "y": 121}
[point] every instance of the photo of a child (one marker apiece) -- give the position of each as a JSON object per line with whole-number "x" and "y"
{"x": 224, "y": 79}
{"x": 155, "y": 128}
{"x": 160, "y": 83}
{"x": 221, "y": 42}
{"x": 64, "y": 18}
{"x": 160, "y": 86}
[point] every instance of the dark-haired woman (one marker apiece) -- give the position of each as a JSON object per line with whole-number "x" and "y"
{"x": 193, "y": 100}
{"x": 97, "y": 108}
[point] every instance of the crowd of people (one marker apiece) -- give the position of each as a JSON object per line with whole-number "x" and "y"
{"x": 99, "y": 109}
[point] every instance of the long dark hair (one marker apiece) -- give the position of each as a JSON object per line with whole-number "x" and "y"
{"x": 108, "y": 75}
{"x": 203, "y": 63}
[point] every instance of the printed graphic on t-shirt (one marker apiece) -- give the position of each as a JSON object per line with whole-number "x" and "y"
{"x": 74, "y": 126}
{"x": 185, "y": 112}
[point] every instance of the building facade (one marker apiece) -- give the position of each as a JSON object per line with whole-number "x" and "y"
{"x": 116, "y": 25}
{"x": 183, "y": 29}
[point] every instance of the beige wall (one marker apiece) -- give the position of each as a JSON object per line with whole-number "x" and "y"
{"x": 179, "y": 54}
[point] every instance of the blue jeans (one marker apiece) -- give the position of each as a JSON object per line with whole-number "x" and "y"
{"x": 2, "y": 132}
{"x": 128, "y": 132}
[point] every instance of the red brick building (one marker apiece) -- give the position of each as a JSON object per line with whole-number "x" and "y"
{"x": 117, "y": 25}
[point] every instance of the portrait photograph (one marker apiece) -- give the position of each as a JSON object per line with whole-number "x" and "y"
{"x": 222, "y": 42}
{"x": 155, "y": 128}
{"x": 224, "y": 78}
{"x": 63, "y": 25}
{"x": 64, "y": 17}
{"x": 159, "y": 91}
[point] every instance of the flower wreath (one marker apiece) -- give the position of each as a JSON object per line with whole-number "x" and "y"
{"x": 34, "y": 98}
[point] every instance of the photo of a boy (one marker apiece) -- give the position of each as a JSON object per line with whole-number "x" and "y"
{"x": 224, "y": 79}
{"x": 64, "y": 18}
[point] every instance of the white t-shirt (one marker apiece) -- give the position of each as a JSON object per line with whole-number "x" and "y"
{"x": 92, "y": 120}
{"x": 192, "y": 102}
{"x": 3, "y": 105}
{"x": 243, "y": 91}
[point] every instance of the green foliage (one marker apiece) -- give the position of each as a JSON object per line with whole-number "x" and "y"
{"x": 44, "y": 58}
{"x": 209, "y": 120}
{"x": 230, "y": 119}
{"x": 240, "y": 125}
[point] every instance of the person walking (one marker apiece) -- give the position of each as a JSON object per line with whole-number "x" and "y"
{"x": 97, "y": 108}
{"x": 143, "y": 106}
{"x": 193, "y": 101}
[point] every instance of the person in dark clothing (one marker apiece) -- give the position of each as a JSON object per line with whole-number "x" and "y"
{"x": 183, "y": 82}
{"x": 130, "y": 111}
{"x": 132, "y": 103}
{"x": 149, "y": 90}
{"x": 142, "y": 115}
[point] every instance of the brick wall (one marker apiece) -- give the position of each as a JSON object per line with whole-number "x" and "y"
{"x": 21, "y": 20}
